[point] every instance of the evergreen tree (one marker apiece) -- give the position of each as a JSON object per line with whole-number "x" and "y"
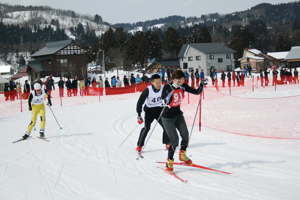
{"x": 204, "y": 36}
{"x": 171, "y": 42}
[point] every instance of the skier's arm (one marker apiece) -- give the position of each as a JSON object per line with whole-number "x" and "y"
{"x": 141, "y": 101}
{"x": 192, "y": 90}
{"x": 29, "y": 101}
{"x": 48, "y": 97}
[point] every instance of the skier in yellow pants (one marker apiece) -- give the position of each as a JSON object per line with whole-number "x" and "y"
{"x": 37, "y": 106}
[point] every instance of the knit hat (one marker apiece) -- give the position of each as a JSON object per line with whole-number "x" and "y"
{"x": 37, "y": 86}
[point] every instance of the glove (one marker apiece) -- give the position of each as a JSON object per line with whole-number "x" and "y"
{"x": 140, "y": 119}
{"x": 30, "y": 109}
{"x": 204, "y": 81}
{"x": 49, "y": 104}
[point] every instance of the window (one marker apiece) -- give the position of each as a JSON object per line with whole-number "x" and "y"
{"x": 198, "y": 57}
{"x": 211, "y": 57}
{"x": 63, "y": 62}
{"x": 185, "y": 65}
{"x": 220, "y": 60}
{"x": 229, "y": 68}
{"x": 190, "y": 58}
{"x": 228, "y": 56}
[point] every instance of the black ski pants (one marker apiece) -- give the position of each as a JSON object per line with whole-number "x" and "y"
{"x": 149, "y": 117}
{"x": 171, "y": 124}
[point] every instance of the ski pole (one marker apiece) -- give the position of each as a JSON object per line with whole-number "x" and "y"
{"x": 55, "y": 117}
{"x": 196, "y": 115}
{"x": 129, "y": 135}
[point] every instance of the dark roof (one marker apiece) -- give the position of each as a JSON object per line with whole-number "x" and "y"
{"x": 52, "y": 48}
{"x": 38, "y": 66}
{"x": 206, "y": 48}
{"x": 171, "y": 62}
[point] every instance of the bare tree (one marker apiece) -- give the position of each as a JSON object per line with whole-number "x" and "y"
{"x": 117, "y": 55}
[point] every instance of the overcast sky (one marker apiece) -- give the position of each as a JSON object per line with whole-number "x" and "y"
{"x": 131, "y": 11}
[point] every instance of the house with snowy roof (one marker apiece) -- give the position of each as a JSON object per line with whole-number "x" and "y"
{"x": 5, "y": 69}
{"x": 257, "y": 60}
{"x": 61, "y": 58}
{"x": 206, "y": 56}
{"x": 280, "y": 56}
{"x": 293, "y": 57}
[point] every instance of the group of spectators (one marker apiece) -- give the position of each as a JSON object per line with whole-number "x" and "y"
{"x": 286, "y": 76}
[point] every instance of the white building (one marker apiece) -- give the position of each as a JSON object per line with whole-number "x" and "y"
{"x": 206, "y": 56}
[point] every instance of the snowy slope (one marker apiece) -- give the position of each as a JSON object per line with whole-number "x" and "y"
{"x": 84, "y": 160}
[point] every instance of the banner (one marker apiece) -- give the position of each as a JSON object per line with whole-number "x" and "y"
{"x": 94, "y": 91}
{"x": 120, "y": 90}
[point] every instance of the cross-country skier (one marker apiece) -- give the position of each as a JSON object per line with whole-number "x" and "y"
{"x": 37, "y": 106}
{"x": 172, "y": 117}
{"x": 151, "y": 96}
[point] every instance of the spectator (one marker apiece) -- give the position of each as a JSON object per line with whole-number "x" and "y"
{"x": 125, "y": 80}
{"x": 261, "y": 77}
{"x": 187, "y": 76}
{"x": 106, "y": 83}
{"x": 6, "y": 91}
{"x": 144, "y": 78}
{"x": 100, "y": 82}
{"x": 69, "y": 87}
{"x": 215, "y": 77}
{"x": 168, "y": 73}
{"x": 94, "y": 82}
{"x": 238, "y": 79}
{"x": 31, "y": 84}
{"x": 266, "y": 77}
{"x": 18, "y": 86}
{"x": 50, "y": 85}
{"x": 296, "y": 76}
{"x": 249, "y": 70}
{"x": 81, "y": 87}
{"x": 119, "y": 83}
{"x": 243, "y": 79}
{"x": 26, "y": 88}
{"x": 197, "y": 75}
{"x": 233, "y": 77}
{"x": 229, "y": 78}
{"x": 162, "y": 70}
{"x": 75, "y": 86}
{"x": 138, "y": 79}
{"x": 132, "y": 79}
{"x": 201, "y": 75}
{"x": 88, "y": 82}
{"x": 212, "y": 76}
{"x": 61, "y": 84}
{"x": 113, "y": 81}
{"x": 275, "y": 72}
{"x": 223, "y": 77}
{"x": 245, "y": 71}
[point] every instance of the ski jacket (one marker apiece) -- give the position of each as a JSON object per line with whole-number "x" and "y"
{"x": 173, "y": 96}
{"x": 35, "y": 99}
{"x": 153, "y": 100}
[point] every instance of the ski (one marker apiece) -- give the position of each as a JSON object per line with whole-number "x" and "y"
{"x": 197, "y": 166}
{"x": 173, "y": 174}
{"x": 20, "y": 140}
{"x": 44, "y": 139}
{"x": 140, "y": 155}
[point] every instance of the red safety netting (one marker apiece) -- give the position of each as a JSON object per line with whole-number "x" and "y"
{"x": 258, "y": 117}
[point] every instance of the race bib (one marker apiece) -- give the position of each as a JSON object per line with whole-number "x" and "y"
{"x": 177, "y": 98}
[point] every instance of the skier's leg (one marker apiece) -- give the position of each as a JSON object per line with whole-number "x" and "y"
{"x": 42, "y": 113}
{"x": 169, "y": 125}
{"x": 34, "y": 113}
{"x": 143, "y": 134}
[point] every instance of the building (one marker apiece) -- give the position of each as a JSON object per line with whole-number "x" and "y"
{"x": 206, "y": 56}
{"x": 257, "y": 60}
{"x": 156, "y": 64}
{"x": 61, "y": 58}
{"x": 293, "y": 57}
{"x": 280, "y": 56}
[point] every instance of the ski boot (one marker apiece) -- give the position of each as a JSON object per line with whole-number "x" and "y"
{"x": 184, "y": 158}
{"x": 24, "y": 137}
{"x": 139, "y": 148}
{"x": 169, "y": 165}
{"x": 42, "y": 135}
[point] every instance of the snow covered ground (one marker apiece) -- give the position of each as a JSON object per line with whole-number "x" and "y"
{"x": 84, "y": 160}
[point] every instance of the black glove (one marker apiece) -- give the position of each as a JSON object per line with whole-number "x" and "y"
{"x": 30, "y": 109}
{"x": 140, "y": 119}
{"x": 204, "y": 82}
{"x": 49, "y": 104}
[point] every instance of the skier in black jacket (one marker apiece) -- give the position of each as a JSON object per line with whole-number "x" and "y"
{"x": 151, "y": 96}
{"x": 172, "y": 117}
